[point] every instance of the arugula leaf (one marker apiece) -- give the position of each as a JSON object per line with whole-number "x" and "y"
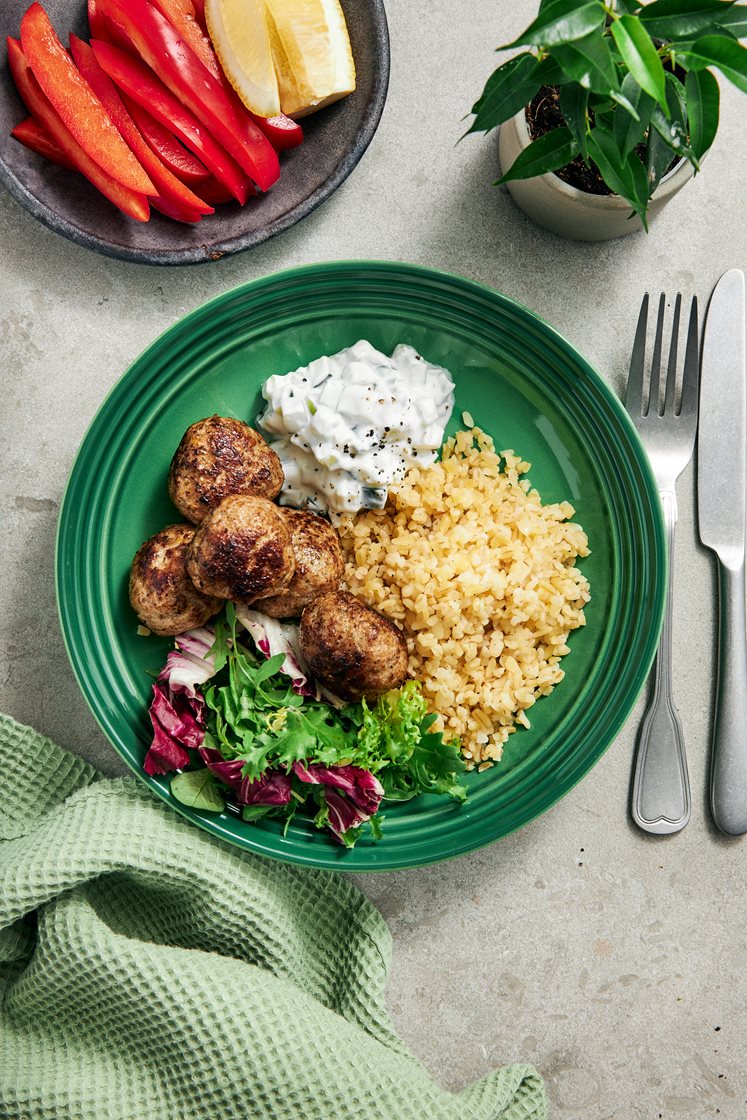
{"x": 254, "y": 715}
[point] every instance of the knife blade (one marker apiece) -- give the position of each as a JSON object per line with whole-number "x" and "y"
{"x": 722, "y": 498}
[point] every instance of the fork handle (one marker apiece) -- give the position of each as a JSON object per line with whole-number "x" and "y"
{"x": 729, "y": 755}
{"x": 661, "y": 787}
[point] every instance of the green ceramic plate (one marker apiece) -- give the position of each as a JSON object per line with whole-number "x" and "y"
{"x": 522, "y": 383}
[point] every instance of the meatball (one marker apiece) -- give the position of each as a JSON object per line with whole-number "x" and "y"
{"x": 319, "y": 564}
{"x": 220, "y": 456}
{"x": 242, "y": 550}
{"x": 161, "y": 593}
{"x": 351, "y": 648}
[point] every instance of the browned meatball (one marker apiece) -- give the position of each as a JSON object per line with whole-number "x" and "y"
{"x": 161, "y": 593}
{"x": 242, "y": 550}
{"x": 351, "y": 648}
{"x": 220, "y": 456}
{"x": 319, "y": 564}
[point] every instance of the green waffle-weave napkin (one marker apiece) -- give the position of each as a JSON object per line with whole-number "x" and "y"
{"x": 150, "y": 972}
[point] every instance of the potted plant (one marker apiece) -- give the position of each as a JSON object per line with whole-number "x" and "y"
{"x": 610, "y": 107}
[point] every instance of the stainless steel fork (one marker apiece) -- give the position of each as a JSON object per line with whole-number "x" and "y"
{"x": 666, "y": 420}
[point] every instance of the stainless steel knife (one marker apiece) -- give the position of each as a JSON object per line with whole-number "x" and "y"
{"x": 722, "y": 495}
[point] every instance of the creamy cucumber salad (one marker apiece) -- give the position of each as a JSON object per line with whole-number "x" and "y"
{"x": 346, "y": 426}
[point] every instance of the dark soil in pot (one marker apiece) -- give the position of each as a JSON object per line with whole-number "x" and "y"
{"x": 543, "y": 115}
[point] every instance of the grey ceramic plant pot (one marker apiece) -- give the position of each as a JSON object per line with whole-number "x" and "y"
{"x": 572, "y": 213}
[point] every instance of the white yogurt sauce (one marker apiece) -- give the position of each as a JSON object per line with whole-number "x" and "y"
{"x": 347, "y": 426}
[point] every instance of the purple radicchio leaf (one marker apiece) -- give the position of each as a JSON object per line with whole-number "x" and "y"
{"x": 352, "y": 794}
{"x": 272, "y": 788}
{"x": 177, "y": 710}
{"x": 227, "y": 771}
{"x": 271, "y": 637}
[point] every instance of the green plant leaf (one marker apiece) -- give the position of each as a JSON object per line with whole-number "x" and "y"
{"x": 684, "y": 19}
{"x": 198, "y": 790}
{"x": 674, "y": 129}
{"x": 574, "y": 102}
{"x": 589, "y": 62}
{"x": 507, "y": 90}
{"x": 561, "y": 21}
{"x": 727, "y": 55}
{"x": 659, "y": 156}
{"x": 619, "y": 172}
{"x": 628, "y": 130}
{"x": 640, "y": 56}
{"x": 702, "y": 93}
{"x": 551, "y": 151}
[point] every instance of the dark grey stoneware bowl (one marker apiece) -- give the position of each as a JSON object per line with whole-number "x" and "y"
{"x": 334, "y": 141}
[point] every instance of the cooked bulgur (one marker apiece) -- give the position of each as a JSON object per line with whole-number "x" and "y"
{"x": 481, "y": 577}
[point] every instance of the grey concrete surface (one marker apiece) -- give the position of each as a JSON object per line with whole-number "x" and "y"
{"x": 614, "y": 961}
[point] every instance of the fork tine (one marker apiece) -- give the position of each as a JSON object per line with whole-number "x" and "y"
{"x": 672, "y": 363}
{"x": 653, "y": 392}
{"x": 634, "y": 391}
{"x": 691, "y": 371}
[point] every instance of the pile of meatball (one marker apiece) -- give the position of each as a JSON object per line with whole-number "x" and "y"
{"x": 237, "y": 544}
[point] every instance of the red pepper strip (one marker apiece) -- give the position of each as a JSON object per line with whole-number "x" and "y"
{"x": 176, "y": 64}
{"x": 280, "y": 130}
{"x": 131, "y": 202}
{"x": 170, "y": 189}
{"x": 169, "y": 150}
{"x": 176, "y": 210}
{"x": 142, "y": 86}
{"x": 214, "y": 192}
{"x": 75, "y": 102}
{"x": 31, "y": 134}
{"x": 200, "y": 14}
{"x": 100, "y": 28}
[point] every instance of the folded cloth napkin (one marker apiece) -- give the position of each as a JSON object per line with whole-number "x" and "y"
{"x": 150, "y": 971}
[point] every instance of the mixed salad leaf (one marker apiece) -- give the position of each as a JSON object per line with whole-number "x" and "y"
{"x": 243, "y": 721}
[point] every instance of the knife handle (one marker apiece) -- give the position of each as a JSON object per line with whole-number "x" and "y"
{"x": 729, "y": 755}
{"x": 660, "y": 800}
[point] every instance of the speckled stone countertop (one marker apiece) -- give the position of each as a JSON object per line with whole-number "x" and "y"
{"x": 614, "y": 961}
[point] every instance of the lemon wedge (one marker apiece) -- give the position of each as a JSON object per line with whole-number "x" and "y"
{"x": 311, "y": 53}
{"x": 240, "y": 33}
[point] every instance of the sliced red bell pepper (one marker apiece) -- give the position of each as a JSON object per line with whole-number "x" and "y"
{"x": 169, "y": 150}
{"x": 200, "y": 14}
{"x": 173, "y": 209}
{"x": 281, "y": 131}
{"x": 100, "y": 28}
{"x": 130, "y": 202}
{"x": 142, "y": 86}
{"x": 170, "y": 189}
{"x": 76, "y": 104}
{"x": 31, "y": 134}
{"x": 214, "y": 192}
{"x": 162, "y": 47}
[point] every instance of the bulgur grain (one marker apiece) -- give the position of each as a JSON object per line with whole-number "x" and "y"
{"x": 481, "y": 577}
